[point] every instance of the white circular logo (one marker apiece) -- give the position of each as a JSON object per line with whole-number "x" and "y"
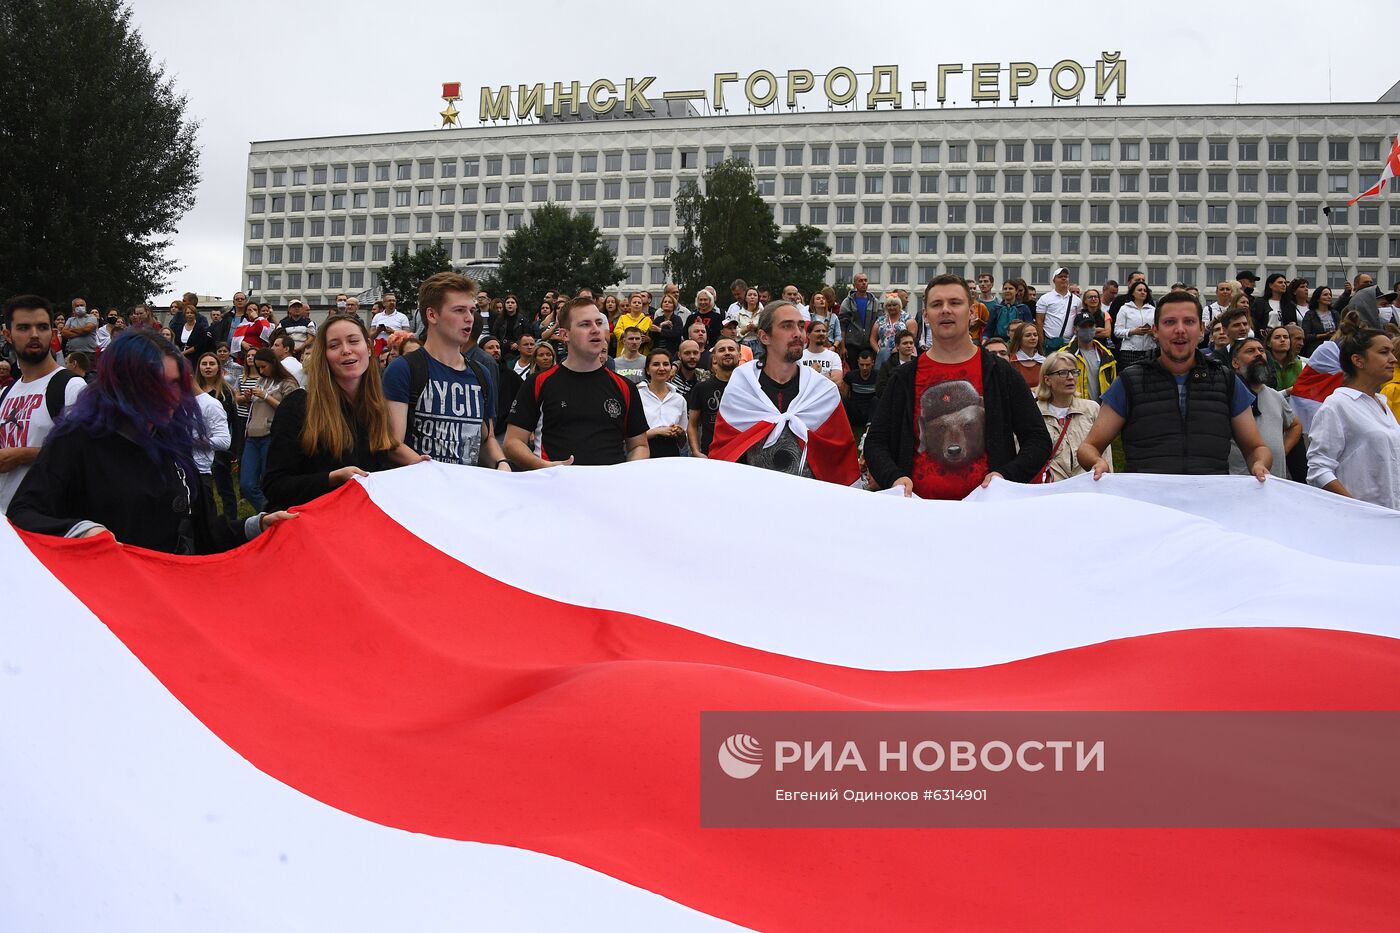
{"x": 613, "y": 408}
{"x": 740, "y": 756}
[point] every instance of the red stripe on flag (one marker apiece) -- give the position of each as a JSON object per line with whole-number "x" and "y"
{"x": 462, "y": 707}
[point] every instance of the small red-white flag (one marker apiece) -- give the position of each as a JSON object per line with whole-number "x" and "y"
{"x": 1392, "y": 169}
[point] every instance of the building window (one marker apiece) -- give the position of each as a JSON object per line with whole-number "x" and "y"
{"x": 821, "y": 155}
{"x": 259, "y": 204}
{"x": 1129, "y": 182}
{"x": 1130, "y": 152}
{"x": 845, "y": 244}
{"x": 1157, "y": 213}
{"x": 1015, "y": 152}
{"x": 957, "y": 243}
{"x": 957, "y": 152}
{"x": 874, "y": 213}
{"x": 903, "y": 154}
{"x": 928, "y": 213}
{"x": 767, "y": 156}
{"x": 845, "y": 184}
{"x": 984, "y": 213}
{"x": 403, "y": 198}
{"x": 1012, "y": 213}
{"x": 612, "y": 161}
{"x": 874, "y": 184}
{"x": 874, "y": 153}
{"x": 1128, "y": 244}
{"x": 792, "y": 215}
{"x": 425, "y": 197}
{"x": 957, "y": 184}
{"x": 612, "y": 190}
{"x": 816, "y": 214}
{"x": 821, "y": 184}
{"x": 1099, "y": 183}
{"x": 846, "y": 155}
{"x": 1040, "y": 213}
{"x": 1040, "y": 244}
{"x": 1186, "y": 244}
{"x": 1338, "y": 150}
{"x": 1127, "y": 213}
{"x": 792, "y": 155}
{"x": 636, "y": 190}
{"x": 663, "y": 160}
{"x": 1337, "y": 183}
{"x": 845, "y": 214}
{"x": 870, "y": 244}
{"x": 928, "y": 184}
{"x": 928, "y": 152}
{"x": 1071, "y": 152}
{"x": 986, "y": 152}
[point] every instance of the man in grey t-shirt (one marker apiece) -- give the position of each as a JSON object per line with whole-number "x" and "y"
{"x": 1278, "y": 426}
{"x": 80, "y": 329}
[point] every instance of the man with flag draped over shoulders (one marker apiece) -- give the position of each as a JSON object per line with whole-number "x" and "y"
{"x": 782, "y": 416}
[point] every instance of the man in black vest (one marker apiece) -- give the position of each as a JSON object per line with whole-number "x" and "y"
{"x": 1177, "y": 413}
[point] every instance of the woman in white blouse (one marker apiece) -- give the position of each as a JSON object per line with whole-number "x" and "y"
{"x": 1355, "y": 445}
{"x": 1133, "y": 327}
{"x": 665, "y": 407}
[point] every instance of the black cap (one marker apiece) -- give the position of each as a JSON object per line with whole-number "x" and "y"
{"x": 1246, "y": 274}
{"x": 1084, "y": 319}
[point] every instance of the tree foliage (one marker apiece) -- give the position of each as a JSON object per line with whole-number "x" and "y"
{"x": 803, "y": 259}
{"x": 406, "y": 271}
{"x": 100, "y": 162}
{"x": 728, "y": 233}
{"x": 556, "y": 249}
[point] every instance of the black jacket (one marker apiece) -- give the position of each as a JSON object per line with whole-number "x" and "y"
{"x": 1012, "y": 419}
{"x": 293, "y": 477}
{"x": 1314, "y": 332}
{"x": 201, "y": 340}
{"x": 111, "y": 480}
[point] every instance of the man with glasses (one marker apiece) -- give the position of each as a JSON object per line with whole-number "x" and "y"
{"x": 33, "y": 402}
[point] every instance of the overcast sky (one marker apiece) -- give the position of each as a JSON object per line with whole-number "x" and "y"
{"x": 261, "y": 69}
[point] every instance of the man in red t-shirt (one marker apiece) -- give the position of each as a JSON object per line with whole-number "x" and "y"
{"x": 956, "y": 416}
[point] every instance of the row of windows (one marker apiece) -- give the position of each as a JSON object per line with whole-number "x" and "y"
{"x": 880, "y": 213}
{"x": 881, "y": 244}
{"x": 1186, "y": 182}
{"x": 1338, "y": 149}
{"x": 884, "y": 274}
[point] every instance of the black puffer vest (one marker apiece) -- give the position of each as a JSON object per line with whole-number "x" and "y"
{"x": 1159, "y": 437}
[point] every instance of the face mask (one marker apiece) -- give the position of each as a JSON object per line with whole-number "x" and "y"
{"x": 80, "y": 310}
{"x": 340, "y": 304}
{"x": 1085, "y": 333}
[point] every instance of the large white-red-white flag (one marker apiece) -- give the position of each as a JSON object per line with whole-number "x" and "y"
{"x": 1391, "y": 169}
{"x": 449, "y": 699}
{"x": 748, "y": 420}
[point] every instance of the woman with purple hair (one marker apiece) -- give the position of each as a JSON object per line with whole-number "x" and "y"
{"x": 121, "y": 460}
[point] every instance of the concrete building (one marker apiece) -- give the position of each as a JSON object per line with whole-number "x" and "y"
{"x": 1186, "y": 193}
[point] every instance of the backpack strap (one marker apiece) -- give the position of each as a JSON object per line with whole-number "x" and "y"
{"x": 417, "y": 382}
{"x": 55, "y": 393}
{"x": 488, "y": 402}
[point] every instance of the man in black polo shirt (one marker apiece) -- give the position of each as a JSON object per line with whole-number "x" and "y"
{"x": 1179, "y": 411}
{"x": 579, "y": 411}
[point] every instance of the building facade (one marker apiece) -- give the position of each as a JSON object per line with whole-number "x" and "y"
{"x": 1185, "y": 193}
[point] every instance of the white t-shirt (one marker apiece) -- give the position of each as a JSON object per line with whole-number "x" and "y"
{"x": 294, "y": 369}
{"x": 1059, "y": 311}
{"x": 394, "y": 321}
{"x": 25, "y": 422}
{"x": 824, "y": 362}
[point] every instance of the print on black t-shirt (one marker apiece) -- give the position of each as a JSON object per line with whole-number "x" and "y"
{"x": 785, "y": 455}
{"x": 704, "y": 398}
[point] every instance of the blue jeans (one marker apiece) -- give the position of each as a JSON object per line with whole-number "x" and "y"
{"x": 250, "y": 470}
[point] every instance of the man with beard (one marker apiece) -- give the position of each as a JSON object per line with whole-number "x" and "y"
{"x": 704, "y": 399}
{"x": 958, "y": 416}
{"x": 782, "y": 416}
{"x": 688, "y": 372}
{"x": 1179, "y": 411}
{"x": 29, "y": 407}
{"x": 1278, "y": 427}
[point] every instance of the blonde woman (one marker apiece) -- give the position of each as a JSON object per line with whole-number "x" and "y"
{"x": 1068, "y": 417}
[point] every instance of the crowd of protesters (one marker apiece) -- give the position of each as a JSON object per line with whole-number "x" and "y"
{"x": 158, "y": 429}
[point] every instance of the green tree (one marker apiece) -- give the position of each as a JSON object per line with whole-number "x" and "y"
{"x": 556, "y": 249}
{"x": 100, "y": 163}
{"x": 728, "y": 232}
{"x": 406, "y": 271}
{"x": 803, "y": 259}
{"x": 684, "y": 264}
